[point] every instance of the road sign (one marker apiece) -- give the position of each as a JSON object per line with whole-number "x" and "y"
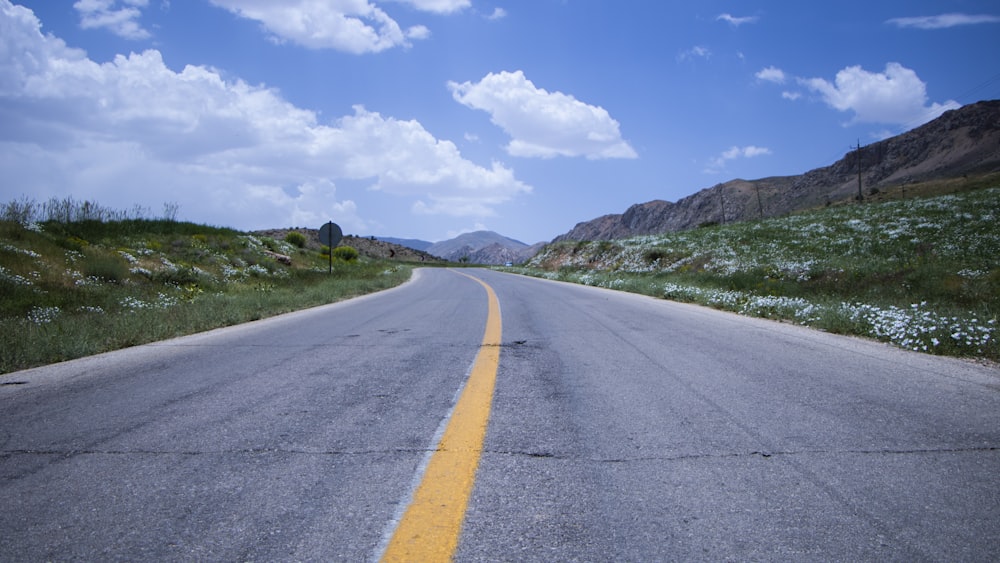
{"x": 330, "y": 234}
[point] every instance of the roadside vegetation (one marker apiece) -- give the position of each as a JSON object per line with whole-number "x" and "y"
{"x": 923, "y": 274}
{"x": 78, "y": 279}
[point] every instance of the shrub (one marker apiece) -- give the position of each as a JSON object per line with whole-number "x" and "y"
{"x": 23, "y": 211}
{"x": 184, "y": 275}
{"x": 296, "y": 238}
{"x": 107, "y": 267}
{"x": 345, "y": 253}
{"x": 663, "y": 256}
{"x": 72, "y": 243}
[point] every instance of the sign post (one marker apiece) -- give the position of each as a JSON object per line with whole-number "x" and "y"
{"x": 330, "y": 235}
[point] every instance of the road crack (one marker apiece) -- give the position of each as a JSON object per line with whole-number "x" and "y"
{"x": 733, "y": 455}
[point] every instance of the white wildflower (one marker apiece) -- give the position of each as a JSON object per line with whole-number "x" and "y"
{"x": 43, "y": 315}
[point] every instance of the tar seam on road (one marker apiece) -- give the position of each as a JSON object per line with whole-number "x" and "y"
{"x": 430, "y": 527}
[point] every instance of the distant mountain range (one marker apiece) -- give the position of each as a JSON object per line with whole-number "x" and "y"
{"x": 965, "y": 141}
{"x": 480, "y": 247}
{"x": 416, "y": 244}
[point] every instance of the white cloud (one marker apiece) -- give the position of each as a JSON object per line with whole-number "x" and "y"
{"x": 694, "y": 52}
{"x": 718, "y": 163}
{"x": 943, "y": 21}
{"x": 437, "y": 6}
{"x": 735, "y": 21}
{"x": 771, "y": 74}
{"x": 353, "y": 26}
{"x": 134, "y": 131}
{"x": 750, "y": 151}
{"x": 896, "y": 96}
{"x": 543, "y": 124}
{"x": 418, "y": 32}
{"x": 108, "y": 14}
{"x": 498, "y": 14}
{"x": 791, "y": 95}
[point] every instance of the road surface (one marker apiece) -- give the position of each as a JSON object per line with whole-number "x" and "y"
{"x": 621, "y": 428}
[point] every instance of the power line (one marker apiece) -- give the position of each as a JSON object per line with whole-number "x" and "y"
{"x": 981, "y": 86}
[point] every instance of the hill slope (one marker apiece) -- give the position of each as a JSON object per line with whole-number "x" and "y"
{"x": 923, "y": 273}
{"x": 81, "y": 287}
{"x": 370, "y": 247}
{"x": 961, "y": 142}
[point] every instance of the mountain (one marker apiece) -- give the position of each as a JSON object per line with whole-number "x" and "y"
{"x": 960, "y": 142}
{"x": 498, "y": 254}
{"x": 483, "y": 247}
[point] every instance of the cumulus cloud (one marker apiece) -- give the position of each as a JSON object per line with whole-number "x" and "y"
{"x": 718, "y": 163}
{"x": 943, "y": 21}
{"x": 353, "y": 26}
{"x": 771, "y": 74}
{"x": 541, "y": 123}
{"x": 895, "y": 96}
{"x": 119, "y": 18}
{"x": 735, "y": 21}
{"x": 133, "y": 130}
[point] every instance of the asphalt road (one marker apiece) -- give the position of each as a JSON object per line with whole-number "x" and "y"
{"x": 623, "y": 428}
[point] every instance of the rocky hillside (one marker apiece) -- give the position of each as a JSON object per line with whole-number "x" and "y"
{"x": 961, "y": 142}
{"x": 370, "y": 247}
{"x": 499, "y": 254}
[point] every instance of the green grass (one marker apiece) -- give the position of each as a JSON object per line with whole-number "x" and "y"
{"x": 81, "y": 288}
{"x": 921, "y": 273}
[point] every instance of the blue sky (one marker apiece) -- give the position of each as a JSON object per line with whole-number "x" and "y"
{"x": 429, "y": 118}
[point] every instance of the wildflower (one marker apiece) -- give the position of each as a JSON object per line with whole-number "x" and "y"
{"x": 257, "y": 270}
{"x": 170, "y": 266}
{"x": 13, "y": 278}
{"x": 133, "y": 303}
{"x": 16, "y": 250}
{"x": 164, "y": 301}
{"x": 43, "y": 315}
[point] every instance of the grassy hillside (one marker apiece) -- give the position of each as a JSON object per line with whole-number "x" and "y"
{"x": 77, "y": 288}
{"x": 921, "y": 273}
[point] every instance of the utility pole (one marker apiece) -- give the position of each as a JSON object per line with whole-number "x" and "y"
{"x": 860, "y": 197}
{"x": 759, "y": 204}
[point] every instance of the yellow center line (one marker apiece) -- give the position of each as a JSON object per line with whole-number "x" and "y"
{"x": 429, "y": 529}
